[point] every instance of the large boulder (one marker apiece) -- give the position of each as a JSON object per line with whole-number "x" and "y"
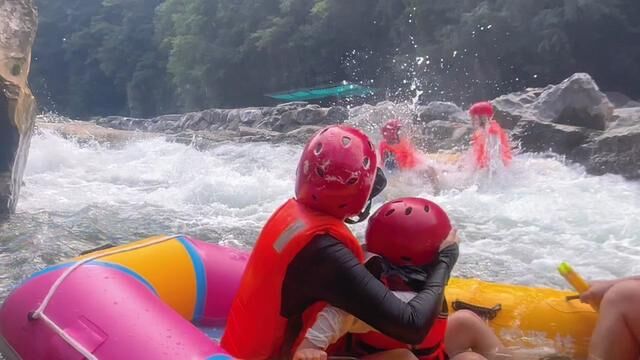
{"x": 17, "y": 104}
{"x": 576, "y": 101}
{"x": 615, "y": 151}
{"x": 539, "y": 136}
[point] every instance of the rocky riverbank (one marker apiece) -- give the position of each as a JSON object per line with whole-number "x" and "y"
{"x": 573, "y": 118}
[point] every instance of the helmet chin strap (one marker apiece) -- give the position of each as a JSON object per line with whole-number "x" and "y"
{"x": 362, "y": 216}
{"x": 378, "y": 185}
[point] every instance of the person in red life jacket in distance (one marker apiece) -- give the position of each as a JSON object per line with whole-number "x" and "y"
{"x": 488, "y": 135}
{"x": 404, "y": 238}
{"x": 397, "y": 153}
{"x": 306, "y": 258}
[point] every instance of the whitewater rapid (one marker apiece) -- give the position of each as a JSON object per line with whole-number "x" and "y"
{"x": 515, "y": 229}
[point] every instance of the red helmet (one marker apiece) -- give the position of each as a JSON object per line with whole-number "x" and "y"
{"x": 408, "y": 231}
{"x": 391, "y": 128}
{"x": 336, "y": 171}
{"x": 483, "y": 108}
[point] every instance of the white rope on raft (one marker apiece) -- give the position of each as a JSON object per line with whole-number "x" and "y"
{"x": 39, "y": 312}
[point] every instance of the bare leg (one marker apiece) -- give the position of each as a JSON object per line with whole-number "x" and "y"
{"x": 467, "y": 331}
{"x": 617, "y": 333}
{"x": 399, "y": 354}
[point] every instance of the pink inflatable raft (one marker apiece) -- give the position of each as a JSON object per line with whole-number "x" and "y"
{"x": 136, "y": 301}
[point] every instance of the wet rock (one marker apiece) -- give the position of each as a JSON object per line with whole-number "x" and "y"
{"x": 616, "y": 151}
{"x": 576, "y": 101}
{"x": 311, "y": 116}
{"x": 511, "y": 108}
{"x": 17, "y": 104}
{"x": 539, "y": 136}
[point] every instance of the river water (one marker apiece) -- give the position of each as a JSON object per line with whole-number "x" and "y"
{"x": 515, "y": 228}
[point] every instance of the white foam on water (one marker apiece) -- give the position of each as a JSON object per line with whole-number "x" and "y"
{"x": 516, "y": 227}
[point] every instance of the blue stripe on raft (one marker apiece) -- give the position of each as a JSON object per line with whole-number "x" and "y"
{"x": 48, "y": 270}
{"x": 201, "y": 278}
{"x": 118, "y": 267}
{"x": 125, "y": 270}
{"x": 219, "y": 357}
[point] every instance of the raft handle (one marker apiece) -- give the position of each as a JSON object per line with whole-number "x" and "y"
{"x": 484, "y": 312}
{"x": 572, "y": 297}
{"x": 101, "y": 247}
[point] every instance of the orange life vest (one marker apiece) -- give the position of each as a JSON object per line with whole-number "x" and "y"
{"x": 404, "y": 153}
{"x": 255, "y": 328}
{"x": 479, "y": 145}
{"x": 431, "y": 348}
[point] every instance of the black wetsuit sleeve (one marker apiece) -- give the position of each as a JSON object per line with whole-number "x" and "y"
{"x": 325, "y": 270}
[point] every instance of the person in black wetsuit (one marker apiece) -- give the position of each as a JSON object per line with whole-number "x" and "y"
{"x": 305, "y": 257}
{"x": 403, "y": 238}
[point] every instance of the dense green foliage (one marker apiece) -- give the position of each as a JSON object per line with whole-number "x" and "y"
{"x": 144, "y": 57}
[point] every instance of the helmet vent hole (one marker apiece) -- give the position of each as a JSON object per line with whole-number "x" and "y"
{"x": 320, "y": 172}
{"x": 346, "y": 141}
{"x": 366, "y": 162}
{"x": 342, "y": 206}
{"x": 426, "y": 208}
{"x": 405, "y": 258}
{"x": 396, "y": 201}
{"x": 388, "y": 213}
{"x": 352, "y": 181}
{"x": 408, "y": 211}
{"x": 370, "y": 145}
{"x": 324, "y": 131}
{"x": 318, "y": 149}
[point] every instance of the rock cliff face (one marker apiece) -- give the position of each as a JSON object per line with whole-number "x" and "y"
{"x": 573, "y": 118}
{"x": 17, "y": 105}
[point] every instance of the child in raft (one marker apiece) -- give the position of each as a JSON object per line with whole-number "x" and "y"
{"x": 402, "y": 237}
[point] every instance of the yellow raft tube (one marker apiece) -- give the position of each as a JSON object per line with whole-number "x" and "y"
{"x": 528, "y": 317}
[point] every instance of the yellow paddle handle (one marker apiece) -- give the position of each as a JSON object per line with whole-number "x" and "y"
{"x": 573, "y": 278}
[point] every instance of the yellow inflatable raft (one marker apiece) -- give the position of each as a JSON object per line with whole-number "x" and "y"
{"x": 528, "y": 317}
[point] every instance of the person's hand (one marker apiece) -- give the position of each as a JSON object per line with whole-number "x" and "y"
{"x": 596, "y": 291}
{"x": 452, "y": 239}
{"x": 310, "y": 354}
{"x": 449, "y": 250}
